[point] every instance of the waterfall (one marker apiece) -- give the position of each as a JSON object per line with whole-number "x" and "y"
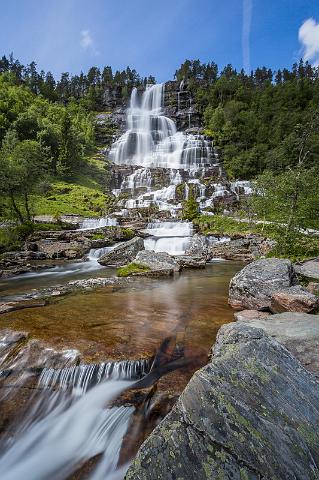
{"x": 152, "y": 140}
{"x": 170, "y": 237}
{"x": 164, "y": 159}
{"x": 94, "y": 223}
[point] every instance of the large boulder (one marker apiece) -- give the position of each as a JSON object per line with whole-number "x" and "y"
{"x": 158, "y": 262}
{"x": 299, "y": 332}
{"x": 309, "y": 269}
{"x": 253, "y": 287}
{"x": 252, "y": 413}
{"x": 198, "y": 247}
{"x": 123, "y": 253}
{"x": 294, "y": 299}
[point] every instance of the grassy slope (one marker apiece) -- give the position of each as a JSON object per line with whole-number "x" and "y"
{"x": 83, "y": 195}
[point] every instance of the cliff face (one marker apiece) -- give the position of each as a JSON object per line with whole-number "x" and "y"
{"x": 252, "y": 413}
{"x": 180, "y": 106}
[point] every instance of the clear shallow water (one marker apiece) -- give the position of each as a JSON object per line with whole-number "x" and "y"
{"x": 76, "y": 432}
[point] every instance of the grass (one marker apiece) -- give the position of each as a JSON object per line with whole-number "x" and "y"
{"x": 82, "y": 195}
{"x": 296, "y": 246}
{"x": 133, "y": 267}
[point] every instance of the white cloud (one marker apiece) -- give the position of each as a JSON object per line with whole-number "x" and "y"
{"x": 309, "y": 38}
{"x": 86, "y": 39}
{"x": 87, "y": 42}
{"x": 247, "y": 17}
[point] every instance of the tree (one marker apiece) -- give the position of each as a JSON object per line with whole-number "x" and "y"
{"x": 190, "y": 208}
{"x": 21, "y": 166}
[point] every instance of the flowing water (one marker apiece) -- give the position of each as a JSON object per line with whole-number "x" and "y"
{"x": 68, "y": 406}
{"x": 66, "y": 419}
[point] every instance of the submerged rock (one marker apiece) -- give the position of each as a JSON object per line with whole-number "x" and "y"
{"x": 244, "y": 315}
{"x": 252, "y": 288}
{"x": 299, "y": 332}
{"x": 252, "y": 413}
{"x": 123, "y": 253}
{"x": 294, "y": 299}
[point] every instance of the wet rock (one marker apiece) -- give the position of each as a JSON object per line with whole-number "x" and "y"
{"x": 157, "y": 262}
{"x": 252, "y": 288}
{"x": 309, "y": 269}
{"x": 124, "y": 253}
{"x": 299, "y": 332}
{"x": 250, "y": 315}
{"x": 236, "y": 413}
{"x": 294, "y": 299}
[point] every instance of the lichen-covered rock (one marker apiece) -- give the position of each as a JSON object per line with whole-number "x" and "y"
{"x": 123, "y": 253}
{"x": 253, "y": 413}
{"x": 299, "y": 332}
{"x": 309, "y": 269}
{"x": 294, "y": 299}
{"x": 157, "y": 261}
{"x": 253, "y": 287}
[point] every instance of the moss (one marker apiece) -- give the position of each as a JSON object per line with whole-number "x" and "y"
{"x": 131, "y": 268}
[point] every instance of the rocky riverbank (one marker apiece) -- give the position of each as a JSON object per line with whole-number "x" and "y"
{"x": 230, "y": 419}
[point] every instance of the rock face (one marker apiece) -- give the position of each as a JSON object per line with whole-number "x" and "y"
{"x": 253, "y": 287}
{"x": 294, "y": 299}
{"x": 252, "y": 413}
{"x": 299, "y": 332}
{"x": 159, "y": 262}
{"x": 309, "y": 269}
{"x": 123, "y": 253}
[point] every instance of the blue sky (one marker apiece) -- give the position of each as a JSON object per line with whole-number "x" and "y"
{"x": 156, "y": 37}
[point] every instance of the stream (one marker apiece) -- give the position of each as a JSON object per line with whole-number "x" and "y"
{"x": 87, "y": 377}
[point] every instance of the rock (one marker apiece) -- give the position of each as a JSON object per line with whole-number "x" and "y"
{"x": 187, "y": 261}
{"x": 250, "y": 315}
{"x": 159, "y": 262}
{"x": 299, "y": 332}
{"x": 313, "y": 287}
{"x": 294, "y": 299}
{"x": 245, "y": 249}
{"x": 252, "y": 413}
{"x": 198, "y": 247}
{"x": 309, "y": 269}
{"x": 253, "y": 287}
{"x": 123, "y": 253}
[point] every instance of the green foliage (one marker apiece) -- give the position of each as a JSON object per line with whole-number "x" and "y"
{"x": 296, "y": 246}
{"x": 190, "y": 209}
{"x": 131, "y": 268}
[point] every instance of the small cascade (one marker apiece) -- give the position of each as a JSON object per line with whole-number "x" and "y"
{"x": 170, "y": 237}
{"x": 94, "y": 223}
{"x": 69, "y": 417}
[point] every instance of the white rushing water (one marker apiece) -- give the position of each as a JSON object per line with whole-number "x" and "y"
{"x": 152, "y": 140}
{"x": 68, "y": 419}
{"x": 95, "y": 223}
{"x": 170, "y": 237}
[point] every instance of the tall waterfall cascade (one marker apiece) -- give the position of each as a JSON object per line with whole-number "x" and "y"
{"x": 162, "y": 165}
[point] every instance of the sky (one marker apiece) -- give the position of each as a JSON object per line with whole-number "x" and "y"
{"x": 156, "y": 37}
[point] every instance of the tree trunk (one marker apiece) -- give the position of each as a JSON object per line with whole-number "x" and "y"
{"x": 26, "y": 204}
{"x": 15, "y": 208}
